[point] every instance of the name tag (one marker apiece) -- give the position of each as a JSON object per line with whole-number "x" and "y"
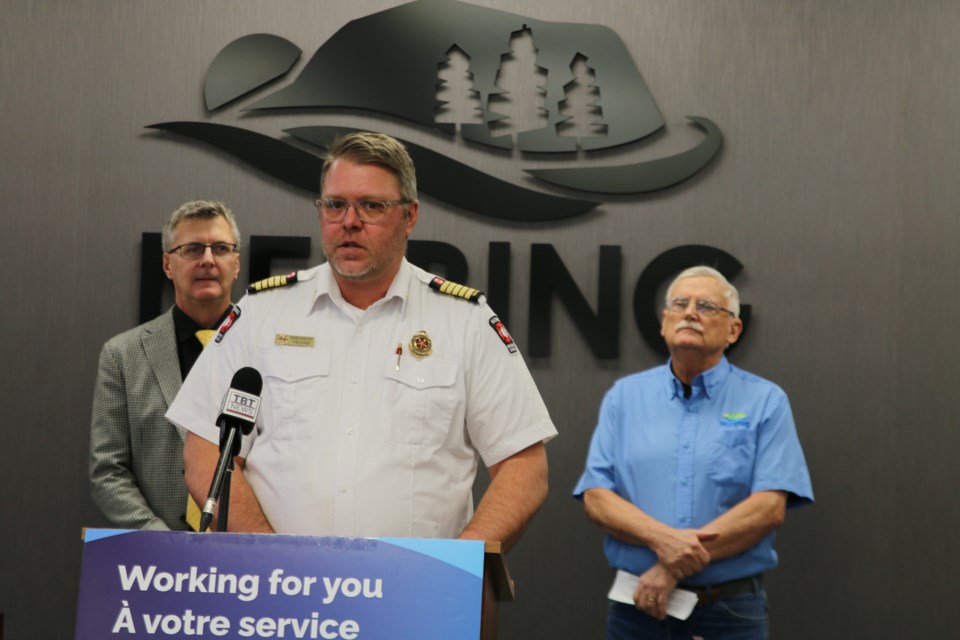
{"x": 286, "y": 340}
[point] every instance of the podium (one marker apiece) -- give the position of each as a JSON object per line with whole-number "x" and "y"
{"x": 151, "y": 584}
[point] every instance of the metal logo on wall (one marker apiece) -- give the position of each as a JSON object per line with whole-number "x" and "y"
{"x": 388, "y": 63}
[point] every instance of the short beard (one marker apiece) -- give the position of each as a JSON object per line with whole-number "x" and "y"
{"x": 374, "y": 267}
{"x": 361, "y": 276}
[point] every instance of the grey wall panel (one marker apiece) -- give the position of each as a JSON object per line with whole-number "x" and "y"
{"x": 836, "y": 188}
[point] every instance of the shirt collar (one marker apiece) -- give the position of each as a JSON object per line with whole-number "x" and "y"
{"x": 185, "y": 326}
{"x": 400, "y": 287}
{"x": 709, "y": 381}
{"x": 326, "y": 286}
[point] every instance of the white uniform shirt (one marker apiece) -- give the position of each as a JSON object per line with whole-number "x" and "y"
{"x": 346, "y": 443}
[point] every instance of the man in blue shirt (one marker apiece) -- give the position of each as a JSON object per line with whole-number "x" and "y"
{"x": 690, "y": 472}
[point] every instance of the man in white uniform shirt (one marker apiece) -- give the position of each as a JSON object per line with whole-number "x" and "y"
{"x": 383, "y": 385}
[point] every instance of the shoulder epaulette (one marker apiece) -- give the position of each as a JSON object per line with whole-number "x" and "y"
{"x": 454, "y": 289}
{"x": 272, "y": 282}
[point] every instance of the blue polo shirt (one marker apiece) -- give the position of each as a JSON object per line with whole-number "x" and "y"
{"x": 686, "y": 461}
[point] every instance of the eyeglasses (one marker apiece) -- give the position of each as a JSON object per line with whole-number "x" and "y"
{"x": 195, "y": 250}
{"x": 369, "y": 211}
{"x": 704, "y": 307}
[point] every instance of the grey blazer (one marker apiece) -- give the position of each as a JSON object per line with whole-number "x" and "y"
{"x": 136, "y": 456}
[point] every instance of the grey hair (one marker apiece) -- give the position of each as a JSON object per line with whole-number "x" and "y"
{"x": 730, "y": 292}
{"x": 199, "y": 210}
{"x": 364, "y": 147}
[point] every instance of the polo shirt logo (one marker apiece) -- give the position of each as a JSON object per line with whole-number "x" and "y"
{"x": 735, "y": 421}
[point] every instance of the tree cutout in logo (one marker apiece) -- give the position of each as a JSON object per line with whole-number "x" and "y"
{"x": 519, "y": 104}
{"x": 459, "y": 102}
{"x": 583, "y": 114}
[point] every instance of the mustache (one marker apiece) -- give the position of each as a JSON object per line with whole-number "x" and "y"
{"x": 686, "y": 324}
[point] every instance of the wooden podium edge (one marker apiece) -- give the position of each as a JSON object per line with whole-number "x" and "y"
{"x": 498, "y": 586}
{"x": 495, "y": 569}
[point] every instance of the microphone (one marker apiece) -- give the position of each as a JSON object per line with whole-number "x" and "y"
{"x": 242, "y": 400}
{"x": 238, "y": 413}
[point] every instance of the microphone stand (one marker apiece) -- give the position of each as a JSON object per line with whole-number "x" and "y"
{"x": 225, "y": 498}
{"x": 220, "y": 486}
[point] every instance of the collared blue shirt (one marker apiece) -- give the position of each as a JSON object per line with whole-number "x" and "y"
{"x": 686, "y": 461}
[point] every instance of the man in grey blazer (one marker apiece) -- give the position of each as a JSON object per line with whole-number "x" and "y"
{"x": 136, "y": 456}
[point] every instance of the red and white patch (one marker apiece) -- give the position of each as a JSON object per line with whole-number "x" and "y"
{"x": 503, "y": 334}
{"x": 229, "y": 322}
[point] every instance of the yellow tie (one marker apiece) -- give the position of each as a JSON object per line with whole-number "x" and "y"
{"x": 193, "y": 510}
{"x": 205, "y": 335}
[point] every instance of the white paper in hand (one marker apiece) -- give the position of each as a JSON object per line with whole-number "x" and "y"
{"x": 680, "y": 604}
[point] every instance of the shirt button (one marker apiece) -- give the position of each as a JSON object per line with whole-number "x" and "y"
{"x": 420, "y": 380}
{"x": 686, "y": 445}
{"x": 683, "y": 482}
{"x": 343, "y": 488}
{"x": 354, "y": 380}
{"x": 349, "y": 431}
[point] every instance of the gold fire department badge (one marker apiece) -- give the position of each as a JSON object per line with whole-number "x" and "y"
{"x": 421, "y": 345}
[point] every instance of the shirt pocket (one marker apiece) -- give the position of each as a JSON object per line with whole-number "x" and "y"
{"x": 419, "y": 401}
{"x": 296, "y": 388}
{"x": 732, "y": 454}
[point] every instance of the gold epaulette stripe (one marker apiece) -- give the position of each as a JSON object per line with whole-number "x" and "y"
{"x": 454, "y": 289}
{"x": 272, "y": 283}
{"x": 269, "y": 283}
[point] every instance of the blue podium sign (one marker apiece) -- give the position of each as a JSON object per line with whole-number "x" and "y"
{"x": 153, "y": 584}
